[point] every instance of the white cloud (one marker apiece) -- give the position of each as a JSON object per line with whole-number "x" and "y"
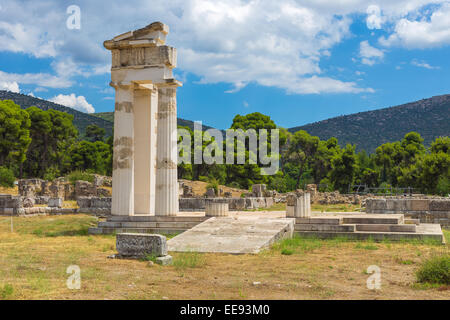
{"x": 72, "y": 101}
{"x": 10, "y": 86}
{"x": 374, "y": 19}
{"x": 40, "y": 79}
{"x": 422, "y": 64}
{"x": 245, "y": 103}
{"x": 271, "y": 43}
{"x": 25, "y": 39}
{"x": 369, "y": 55}
{"x": 423, "y": 32}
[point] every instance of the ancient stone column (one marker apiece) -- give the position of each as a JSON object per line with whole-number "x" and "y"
{"x": 145, "y": 122}
{"x": 298, "y": 206}
{"x": 145, "y": 109}
{"x": 123, "y": 153}
{"x": 166, "y": 199}
{"x": 216, "y": 207}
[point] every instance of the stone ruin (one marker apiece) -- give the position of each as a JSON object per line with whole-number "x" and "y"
{"x": 260, "y": 197}
{"x": 49, "y": 196}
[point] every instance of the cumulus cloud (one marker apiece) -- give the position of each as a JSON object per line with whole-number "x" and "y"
{"x": 423, "y": 32}
{"x": 374, "y": 19}
{"x": 271, "y": 43}
{"x": 72, "y": 101}
{"x": 10, "y": 86}
{"x": 369, "y": 55}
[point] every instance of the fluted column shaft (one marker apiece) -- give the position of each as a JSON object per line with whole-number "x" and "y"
{"x": 123, "y": 153}
{"x": 166, "y": 198}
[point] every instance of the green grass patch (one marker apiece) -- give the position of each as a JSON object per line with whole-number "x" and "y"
{"x": 6, "y": 291}
{"x": 185, "y": 260}
{"x": 70, "y": 225}
{"x": 287, "y": 252}
{"x": 297, "y": 245}
{"x": 79, "y": 175}
{"x": 435, "y": 270}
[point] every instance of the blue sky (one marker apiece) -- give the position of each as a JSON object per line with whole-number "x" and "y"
{"x": 297, "y": 61}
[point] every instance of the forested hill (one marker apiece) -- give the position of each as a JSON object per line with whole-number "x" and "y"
{"x": 429, "y": 117}
{"x": 81, "y": 120}
{"x": 181, "y": 122}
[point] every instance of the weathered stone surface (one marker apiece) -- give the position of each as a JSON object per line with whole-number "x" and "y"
{"x": 440, "y": 205}
{"x": 55, "y": 202}
{"x": 217, "y": 207}
{"x": 258, "y": 190}
{"x": 233, "y": 235}
{"x": 210, "y": 193}
{"x": 28, "y": 202}
{"x": 138, "y": 245}
{"x": 164, "y": 261}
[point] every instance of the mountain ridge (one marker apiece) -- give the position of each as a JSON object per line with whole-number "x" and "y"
{"x": 367, "y": 130}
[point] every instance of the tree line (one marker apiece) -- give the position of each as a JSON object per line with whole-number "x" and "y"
{"x": 36, "y": 143}
{"x": 46, "y": 144}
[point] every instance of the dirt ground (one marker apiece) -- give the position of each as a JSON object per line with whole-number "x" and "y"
{"x": 35, "y": 257}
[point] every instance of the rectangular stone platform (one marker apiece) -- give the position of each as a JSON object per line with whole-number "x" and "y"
{"x": 236, "y": 235}
{"x": 367, "y": 226}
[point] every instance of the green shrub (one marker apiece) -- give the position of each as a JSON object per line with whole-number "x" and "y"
{"x": 213, "y": 183}
{"x": 234, "y": 184}
{"x": 435, "y": 270}
{"x": 6, "y": 177}
{"x": 203, "y": 178}
{"x": 443, "y": 186}
{"x": 51, "y": 174}
{"x": 80, "y": 175}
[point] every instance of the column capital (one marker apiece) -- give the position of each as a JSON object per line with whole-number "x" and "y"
{"x": 169, "y": 83}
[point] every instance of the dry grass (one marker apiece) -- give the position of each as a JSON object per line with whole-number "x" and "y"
{"x": 13, "y": 191}
{"x": 34, "y": 259}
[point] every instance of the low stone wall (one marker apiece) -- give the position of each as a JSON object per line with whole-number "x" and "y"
{"x": 234, "y": 204}
{"x": 432, "y": 210}
{"x": 94, "y": 205}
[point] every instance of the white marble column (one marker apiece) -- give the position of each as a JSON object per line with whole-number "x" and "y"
{"x": 166, "y": 202}
{"x": 123, "y": 153}
{"x": 145, "y": 108}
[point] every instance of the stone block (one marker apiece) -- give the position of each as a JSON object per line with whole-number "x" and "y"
{"x": 84, "y": 202}
{"x": 139, "y": 245}
{"x": 258, "y": 190}
{"x": 216, "y": 207}
{"x": 165, "y": 260}
{"x": 55, "y": 202}
{"x": 439, "y": 205}
{"x": 210, "y": 193}
{"x": 419, "y": 204}
{"x": 28, "y": 202}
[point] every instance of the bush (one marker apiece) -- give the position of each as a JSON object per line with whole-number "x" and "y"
{"x": 203, "y": 178}
{"x": 443, "y": 186}
{"x": 7, "y": 178}
{"x": 80, "y": 175}
{"x": 435, "y": 270}
{"x": 51, "y": 174}
{"x": 213, "y": 183}
{"x": 234, "y": 184}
